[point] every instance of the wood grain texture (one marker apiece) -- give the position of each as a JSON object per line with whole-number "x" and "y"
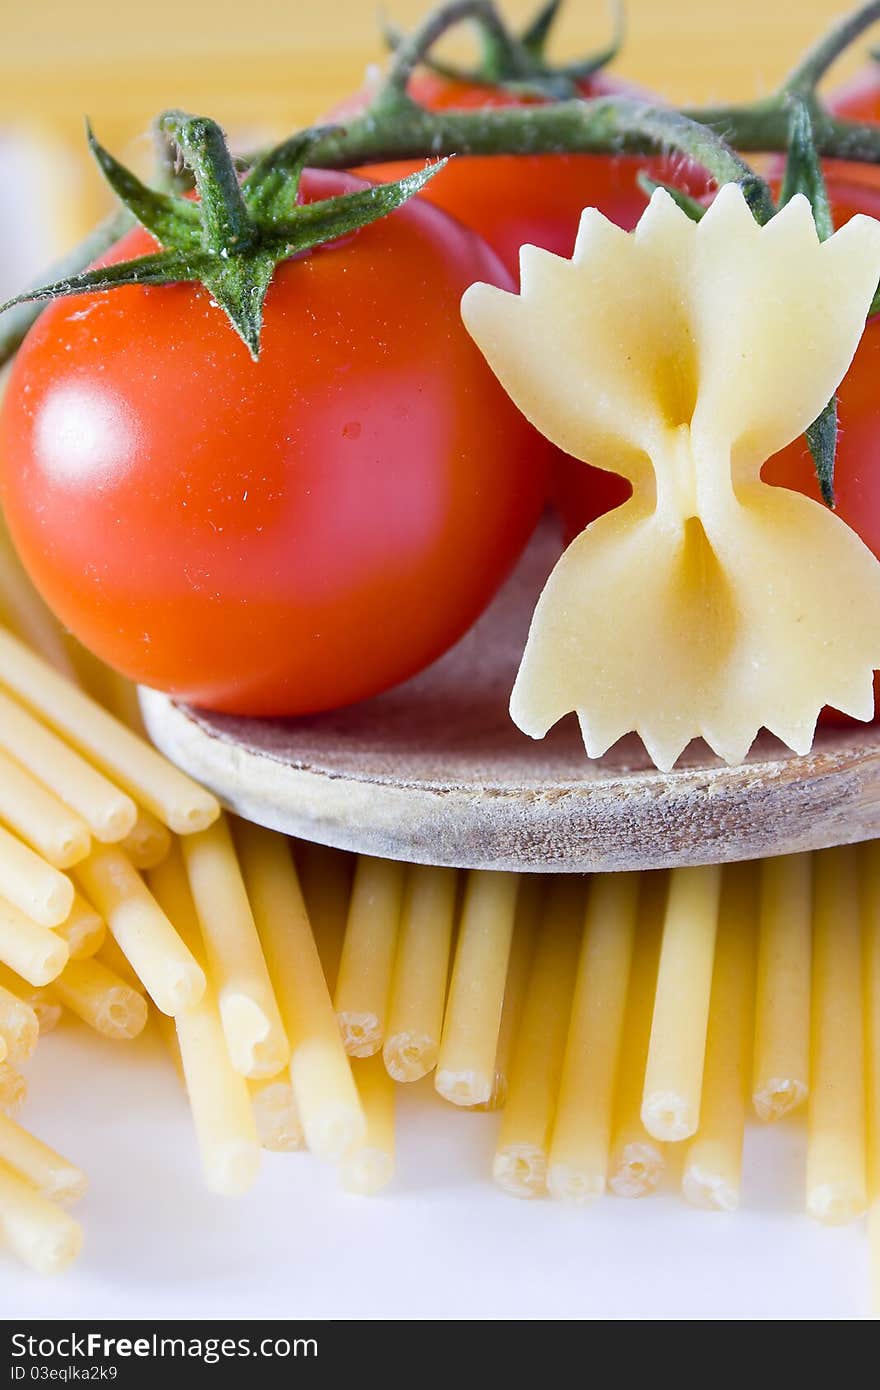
{"x": 435, "y": 772}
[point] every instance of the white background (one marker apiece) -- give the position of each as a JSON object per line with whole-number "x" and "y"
{"x": 440, "y": 1243}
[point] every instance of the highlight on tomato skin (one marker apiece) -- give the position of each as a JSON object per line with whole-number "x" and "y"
{"x": 514, "y": 200}
{"x": 280, "y": 537}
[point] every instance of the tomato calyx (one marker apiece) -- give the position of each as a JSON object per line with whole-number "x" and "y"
{"x": 515, "y": 62}
{"x": 234, "y": 233}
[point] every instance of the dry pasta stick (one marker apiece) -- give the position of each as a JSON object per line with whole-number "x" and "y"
{"x": 19, "y": 1027}
{"x": 108, "y": 812}
{"x": 636, "y": 1160}
{"x": 326, "y": 877}
{"x": 713, "y": 1161}
{"x": 29, "y": 950}
{"x": 871, "y": 945}
{"x": 522, "y": 948}
{"x": 578, "y": 1160}
{"x": 162, "y": 962}
{"x": 674, "y": 1072}
{"x": 149, "y": 778}
{"x": 83, "y": 929}
{"x": 276, "y": 1116}
{"x": 37, "y": 889}
{"x": 41, "y": 1234}
{"x": 236, "y": 964}
{"x": 148, "y": 841}
{"x": 370, "y": 1166}
{"x": 113, "y": 958}
{"x": 418, "y": 988}
{"x": 780, "y": 1080}
{"x": 836, "y": 1176}
{"x": 46, "y": 1170}
{"x": 320, "y": 1072}
{"x": 13, "y": 1089}
{"x": 36, "y": 814}
{"x": 363, "y": 984}
{"x": 469, "y": 1043}
{"x": 219, "y": 1101}
{"x": 47, "y": 1011}
{"x": 101, "y": 999}
{"x": 520, "y": 1163}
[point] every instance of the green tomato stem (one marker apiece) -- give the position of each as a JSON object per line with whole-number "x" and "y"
{"x": 816, "y": 62}
{"x": 15, "y": 322}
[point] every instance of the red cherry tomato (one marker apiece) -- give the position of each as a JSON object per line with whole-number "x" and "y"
{"x": 512, "y": 200}
{"x": 278, "y": 537}
{"x": 857, "y": 100}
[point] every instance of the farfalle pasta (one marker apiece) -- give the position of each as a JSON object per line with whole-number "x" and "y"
{"x": 682, "y": 356}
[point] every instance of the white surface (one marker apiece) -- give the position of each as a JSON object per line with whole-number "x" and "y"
{"x": 441, "y": 1243}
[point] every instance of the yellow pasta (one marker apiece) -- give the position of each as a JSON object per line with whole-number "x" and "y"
{"x": 149, "y": 778}
{"x": 713, "y": 1162}
{"x": 46, "y": 1170}
{"x": 465, "y": 1071}
{"x": 370, "y": 1166}
{"x": 276, "y": 1115}
{"x": 37, "y": 889}
{"x": 41, "y": 1234}
{"x": 674, "y": 1073}
{"x": 366, "y": 964}
{"x": 161, "y": 961}
{"x": 236, "y": 964}
{"x": 871, "y": 945}
{"x": 320, "y": 1072}
{"x": 13, "y": 1089}
{"x": 46, "y": 1009}
{"x": 781, "y": 1075}
{"x": 101, "y": 999}
{"x": 418, "y": 990}
{"x": 520, "y": 1163}
{"x": 836, "y": 1176}
{"x": 83, "y": 929}
{"x": 522, "y": 947}
{"x": 148, "y": 841}
{"x": 113, "y": 958}
{"x": 636, "y": 1159}
{"x": 36, "y": 814}
{"x": 325, "y": 877}
{"x": 108, "y": 812}
{"x": 19, "y": 1027}
{"x": 578, "y": 1160}
{"x": 28, "y": 949}
{"x": 219, "y": 1101}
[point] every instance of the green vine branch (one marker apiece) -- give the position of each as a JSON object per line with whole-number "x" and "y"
{"x": 396, "y": 127}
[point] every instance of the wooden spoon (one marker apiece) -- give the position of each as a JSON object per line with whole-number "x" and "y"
{"x": 435, "y": 772}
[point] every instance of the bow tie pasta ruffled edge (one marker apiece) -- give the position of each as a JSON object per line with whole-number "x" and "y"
{"x": 682, "y": 356}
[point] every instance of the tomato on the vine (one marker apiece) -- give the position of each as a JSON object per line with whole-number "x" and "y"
{"x": 512, "y": 200}
{"x": 283, "y": 536}
{"x": 857, "y": 100}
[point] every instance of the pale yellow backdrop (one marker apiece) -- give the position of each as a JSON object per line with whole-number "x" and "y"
{"x": 261, "y": 66}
